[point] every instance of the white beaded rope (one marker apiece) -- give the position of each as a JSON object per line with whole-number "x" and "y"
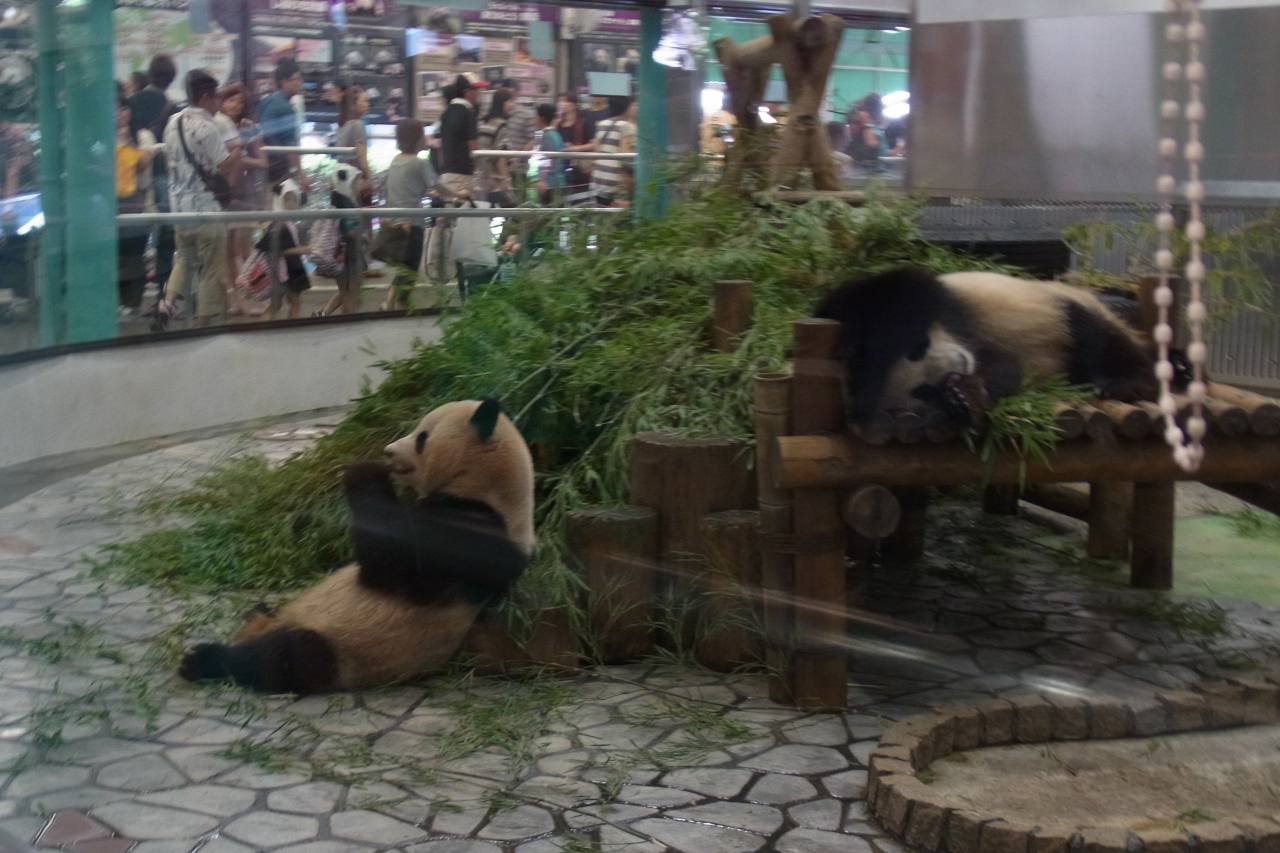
{"x": 1188, "y": 456}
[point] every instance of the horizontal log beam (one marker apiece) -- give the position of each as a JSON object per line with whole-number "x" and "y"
{"x": 841, "y": 461}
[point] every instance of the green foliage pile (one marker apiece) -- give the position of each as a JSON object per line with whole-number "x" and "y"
{"x": 588, "y": 345}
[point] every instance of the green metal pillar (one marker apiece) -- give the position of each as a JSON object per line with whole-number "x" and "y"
{"x": 90, "y": 159}
{"x": 50, "y": 296}
{"x": 652, "y": 199}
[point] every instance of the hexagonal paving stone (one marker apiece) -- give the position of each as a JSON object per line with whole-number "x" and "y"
{"x": 325, "y": 847}
{"x": 685, "y": 836}
{"x": 714, "y": 782}
{"x": 558, "y": 792}
{"x": 143, "y": 821}
{"x": 248, "y": 776}
{"x": 144, "y": 773}
{"x": 311, "y": 798}
{"x": 816, "y": 841}
{"x": 777, "y": 789}
{"x": 648, "y": 795}
{"x": 218, "y": 800}
{"x": 360, "y": 825}
{"x": 819, "y": 814}
{"x": 454, "y": 845}
{"x": 849, "y": 785}
{"x": 202, "y": 731}
{"x": 270, "y": 829}
{"x": 459, "y": 823}
{"x": 200, "y": 763}
{"x": 827, "y": 731}
{"x": 606, "y": 813}
{"x": 46, "y": 778}
{"x": 749, "y": 816}
{"x": 798, "y": 759}
{"x": 517, "y": 823}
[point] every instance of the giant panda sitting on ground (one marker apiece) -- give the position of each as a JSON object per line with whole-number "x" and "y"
{"x": 909, "y": 336}
{"x": 423, "y": 569}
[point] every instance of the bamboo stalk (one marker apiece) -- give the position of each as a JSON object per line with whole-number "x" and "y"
{"x": 772, "y": 416}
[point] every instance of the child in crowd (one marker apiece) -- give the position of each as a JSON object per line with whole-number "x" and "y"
{"x": 280, "y": 244}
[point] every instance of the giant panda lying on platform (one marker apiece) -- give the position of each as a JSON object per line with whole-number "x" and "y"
{"x": 910, "y": 336}
{"x": 423, "y": 569}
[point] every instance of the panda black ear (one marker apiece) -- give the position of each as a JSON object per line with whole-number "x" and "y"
{"x": 485, "y": 420}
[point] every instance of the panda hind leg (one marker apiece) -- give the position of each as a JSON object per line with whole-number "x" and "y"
{"x": 286, "y": 660}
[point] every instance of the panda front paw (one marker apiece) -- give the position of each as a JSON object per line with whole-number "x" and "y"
{"x": 366, "y": 476}
{"x": 205, "y": 662}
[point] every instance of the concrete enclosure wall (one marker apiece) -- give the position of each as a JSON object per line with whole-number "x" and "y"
{"x": 97, "y": 399}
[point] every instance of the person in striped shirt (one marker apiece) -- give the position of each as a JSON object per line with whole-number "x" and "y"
{"x": 614, "y": 135}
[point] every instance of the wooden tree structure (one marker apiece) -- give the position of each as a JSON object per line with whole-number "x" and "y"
{"x": 806, "y": 49}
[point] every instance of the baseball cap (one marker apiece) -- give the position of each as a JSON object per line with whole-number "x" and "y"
{"x": 473, "y": 80}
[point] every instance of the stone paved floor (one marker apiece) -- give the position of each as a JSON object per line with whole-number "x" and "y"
{"x": 637, "y": 758}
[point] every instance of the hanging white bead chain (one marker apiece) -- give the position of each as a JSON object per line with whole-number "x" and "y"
{"x": 1187, "y": 456}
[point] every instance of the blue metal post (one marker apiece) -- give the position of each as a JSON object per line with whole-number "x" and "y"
{"x": 651, "y": 145}
{"x": 90, "y": 122}
{"x": 52, "y": 280}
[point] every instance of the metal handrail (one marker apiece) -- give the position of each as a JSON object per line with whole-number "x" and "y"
{"x": 230, "y": 216}
{"x": 553, "y": 155}
{"x": 302, "y": 149}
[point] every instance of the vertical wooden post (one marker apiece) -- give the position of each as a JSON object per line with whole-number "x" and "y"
{"x": 617, "y": 548}
{"x": 821, "y": 668}
{"x": 1151, "y": 564}
{"x": 683, "y": 479}
{"x": 772, "y": 419}
{"x": 725, "y": 638}
{"x": 733, "y": 306}
{"x": 907, "y": 542}
{"x": 1000, "y": 500}
{"x": 1108, "y": 517}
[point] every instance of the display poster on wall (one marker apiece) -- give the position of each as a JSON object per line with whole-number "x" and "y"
{"x": 359, "y": 41}
{"x": 143, "y": 30}
{"x": 606, "y": 41}
{"x": 491, "y": 43}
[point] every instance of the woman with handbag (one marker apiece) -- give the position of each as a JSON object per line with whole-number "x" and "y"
{"x": 240, "y": 132}
{"x": 409, "y": 179}
{"x": 579, "y": 133}
{"x": 352, "y": 134}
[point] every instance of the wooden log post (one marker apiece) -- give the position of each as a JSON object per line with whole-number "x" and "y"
{"x": 907, "y": 542}
{"x": 772, "y": 417}
{"x": 807, "y": 50}
{"x": 820, "y": 666}
{"x": 1110, "y": 505}
{"x": 1263, "y": 412}
{"x": 734, "y": 303}
{"x": 1151, "y": 531}
{"x": 682, "y": 480}
{"x": 727, "y": 635}
{"x": 496, "y": 646}
{"x": 616, "y": 548}
{"x": 746, "y": 68}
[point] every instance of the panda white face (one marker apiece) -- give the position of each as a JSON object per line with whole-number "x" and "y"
{"x": 943, "y": 356}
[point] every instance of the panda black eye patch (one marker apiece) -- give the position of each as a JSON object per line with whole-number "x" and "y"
{"x": 421, "y": 441}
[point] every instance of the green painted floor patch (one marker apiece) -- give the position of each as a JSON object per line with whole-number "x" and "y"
{"x": 1210, "y": 558}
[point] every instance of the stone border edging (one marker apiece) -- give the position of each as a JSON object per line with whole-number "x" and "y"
{"x": 910, "y": 810}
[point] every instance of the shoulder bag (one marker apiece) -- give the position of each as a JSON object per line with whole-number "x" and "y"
{"x": 215, "y": 182}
